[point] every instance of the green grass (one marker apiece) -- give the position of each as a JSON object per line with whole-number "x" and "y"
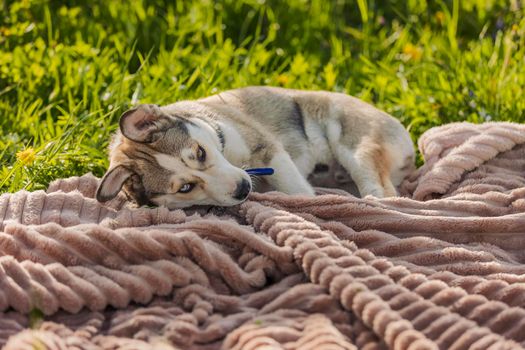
{"x": 68, "y": 70}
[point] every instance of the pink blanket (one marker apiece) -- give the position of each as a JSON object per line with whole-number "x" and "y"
{"x": 442, "y": 267}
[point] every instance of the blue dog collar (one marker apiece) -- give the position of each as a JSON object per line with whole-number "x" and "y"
{"x": 260, "y": 171}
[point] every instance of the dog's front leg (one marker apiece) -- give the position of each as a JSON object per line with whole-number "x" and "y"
{"x": 287, "y": 177}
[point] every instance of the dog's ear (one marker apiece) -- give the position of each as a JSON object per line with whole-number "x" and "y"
{"x": 144, "y": 124}
{"x": 112, "y": 183}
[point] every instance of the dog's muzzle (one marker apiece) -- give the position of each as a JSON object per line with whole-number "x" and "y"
{"x": 243, "y": 190}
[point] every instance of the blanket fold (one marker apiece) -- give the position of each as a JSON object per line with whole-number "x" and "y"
{"x": 441, "y": 267}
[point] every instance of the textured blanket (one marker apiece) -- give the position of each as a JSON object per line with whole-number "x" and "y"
{"x": 442, "y": 267}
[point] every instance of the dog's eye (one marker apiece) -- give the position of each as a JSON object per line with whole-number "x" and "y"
{"x": 201, "y": 154}
{"x": 186, "y": 188}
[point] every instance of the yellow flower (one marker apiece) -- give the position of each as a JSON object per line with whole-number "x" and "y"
{"x": 413, "y": 52}
{"x": 26, "y": 156}
{"x": 4, "y": 31}
{"x": 282, "y": 79}
{"x": 440, "y": 17}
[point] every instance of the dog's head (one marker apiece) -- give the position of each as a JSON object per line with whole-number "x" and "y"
{"x": 173, "y": 158}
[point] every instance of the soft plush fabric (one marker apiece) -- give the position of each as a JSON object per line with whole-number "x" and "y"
{"x": 440, "y": 268}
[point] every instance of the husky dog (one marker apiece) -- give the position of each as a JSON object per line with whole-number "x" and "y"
{"x": 194, "y": 152}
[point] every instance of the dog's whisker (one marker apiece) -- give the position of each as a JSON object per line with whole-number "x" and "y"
{"x": 256, "y": 180}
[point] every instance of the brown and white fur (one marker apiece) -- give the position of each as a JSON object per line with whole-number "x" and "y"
{"x": 203, "y": 146}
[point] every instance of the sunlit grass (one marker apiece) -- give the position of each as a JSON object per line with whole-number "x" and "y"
{"x": 68, "y": 72}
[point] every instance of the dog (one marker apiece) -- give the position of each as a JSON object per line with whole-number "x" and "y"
{"x": 193, "y": 152}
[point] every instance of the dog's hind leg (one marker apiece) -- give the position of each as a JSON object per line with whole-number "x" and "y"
{"x": 369, "y": 167}
{"x": 390, "y": 189}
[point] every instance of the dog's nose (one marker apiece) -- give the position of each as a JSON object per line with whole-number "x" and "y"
{"x": 243, "y": 190}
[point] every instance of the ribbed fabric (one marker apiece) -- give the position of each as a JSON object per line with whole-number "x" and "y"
{"x": 440, "y": 268}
